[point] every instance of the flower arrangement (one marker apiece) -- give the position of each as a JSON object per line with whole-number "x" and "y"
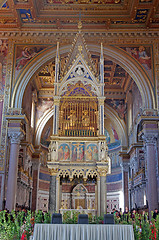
{"x": 20, "y": 225}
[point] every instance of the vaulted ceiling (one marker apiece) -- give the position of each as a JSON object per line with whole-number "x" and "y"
{"x": 65, "y": 14}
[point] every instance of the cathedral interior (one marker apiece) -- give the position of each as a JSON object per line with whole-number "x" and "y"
{"x": 79, "y": 98}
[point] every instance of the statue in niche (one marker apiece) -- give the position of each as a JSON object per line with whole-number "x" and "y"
{"x": 103, "y": 151}
{"x": 53, "y": 150}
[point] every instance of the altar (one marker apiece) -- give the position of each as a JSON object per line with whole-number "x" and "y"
{"x": 83, "y": 232}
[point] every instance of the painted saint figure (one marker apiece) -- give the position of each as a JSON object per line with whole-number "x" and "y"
{"x": 95, "y": 153}
{"x": 89, "y": 153}
{"x": 60, "y": 153}
{"x": 66, "y": 153}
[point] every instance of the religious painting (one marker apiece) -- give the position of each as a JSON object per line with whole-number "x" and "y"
{"x": 114, "y": 133}
{"x": 78, "y": 151}
{"x": 42, "y": 106}
{"x": 3, "y": 62}
{"x": 119, "y": 105}
{"x": 24, "y": 54}
{"x": 64, "y": 152}
{"x": 92, "y": 152}
{"x": 143, "y": 55}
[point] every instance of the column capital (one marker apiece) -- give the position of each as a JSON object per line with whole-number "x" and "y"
{"x": 125, "y": 166}
{"x": 15, "y": 136}
{"x": 103, "y": 171}
{"x": 150, "y": 138}
{"x": 53, "y": 171}
{"x": 101, "y": 100}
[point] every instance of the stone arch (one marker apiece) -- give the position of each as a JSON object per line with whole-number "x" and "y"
{"x": 41, "y": 124}
{"x": 117, "y": 55}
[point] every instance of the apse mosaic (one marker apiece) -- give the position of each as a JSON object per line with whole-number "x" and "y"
{"x": 78, "y": 151}
{"x": 119, "y": 105}
{"x": 143, "y": 55}
{"x": 92, "y": 152}
{"x": 64, "y": 152}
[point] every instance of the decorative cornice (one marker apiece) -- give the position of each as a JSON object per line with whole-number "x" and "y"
{"x": 30, "y": 36}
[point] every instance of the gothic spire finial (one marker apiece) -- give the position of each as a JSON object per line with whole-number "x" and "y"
{"x": 79, "y": 22}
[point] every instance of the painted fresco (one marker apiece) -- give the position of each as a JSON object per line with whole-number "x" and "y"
{"x": 24, "y": 54}
{"x": 143, "y": 55}
{"x": 64, "y": 152}
{"x": 45, "y": 140}
{"x": 42, "y": 106}
{"x": 92, "y": 152}
{"x": 3, "y": 63}
{"x": 78, "y": 151}
{"x": 119, "y": 105}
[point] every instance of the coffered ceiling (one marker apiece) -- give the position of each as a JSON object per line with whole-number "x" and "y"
{"x": 65, "y": 14}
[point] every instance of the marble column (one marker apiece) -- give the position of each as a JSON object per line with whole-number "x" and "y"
{"x": 57, "y": 194}
{"x": 13, "y": 169}
{"x": 103, "y": 197}
{"x": 98, "y": 196}
{"x": 125, "y": 176}
{"x": 150, "y": 141}
{"x": 36, "y": 170}
{"x": 52, "y": 194}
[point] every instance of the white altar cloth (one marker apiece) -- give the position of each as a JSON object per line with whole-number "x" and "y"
{"x": 83, "y": 232}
